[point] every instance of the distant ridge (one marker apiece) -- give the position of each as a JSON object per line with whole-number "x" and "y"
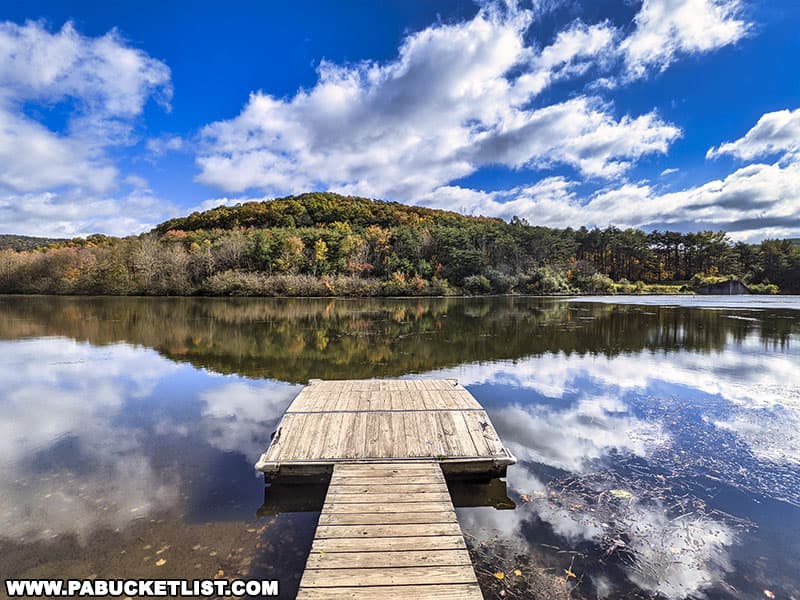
{"x": 25, "y": 242}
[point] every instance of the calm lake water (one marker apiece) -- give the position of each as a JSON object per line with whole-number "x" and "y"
{"x": 658, "y": 438}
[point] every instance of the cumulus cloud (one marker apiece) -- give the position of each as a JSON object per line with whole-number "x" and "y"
{"x": 73, "y": 212}
{"x": 666, "y": 29}
{"x": 105, "y": 84}
{"x": 159, "y": 146}
{"x": 457, "y": 98}
{"x": 754, "y": 201}
{"x": 775, "y": 132}
{"x": 578, "y": 132}
{"x": 464, "y": 96}
{"x": 103, "y": 73}
{"x": 34, "y": 158}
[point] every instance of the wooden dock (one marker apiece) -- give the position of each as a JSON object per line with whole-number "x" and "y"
{"x": 387, "y": 528}
{"x": 377, "y": 420}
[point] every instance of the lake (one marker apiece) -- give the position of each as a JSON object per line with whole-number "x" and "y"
{"x": 658, "y": 438}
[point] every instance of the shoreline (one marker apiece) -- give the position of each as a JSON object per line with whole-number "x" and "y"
{"x": 398, "y": 297}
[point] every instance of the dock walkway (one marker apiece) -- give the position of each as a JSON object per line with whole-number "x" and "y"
{"x": 387, "y": 528}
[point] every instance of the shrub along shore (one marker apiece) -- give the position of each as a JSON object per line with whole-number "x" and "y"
{"x": 323, "y": 244}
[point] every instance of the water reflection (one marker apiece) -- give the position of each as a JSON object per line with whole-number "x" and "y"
{"x": 116, "y": 459}
{"x": 300, "y": 339}
{"x": 659, "y": 446}
{"x": 645, "y": 464}
{"x": 69, "y": 468}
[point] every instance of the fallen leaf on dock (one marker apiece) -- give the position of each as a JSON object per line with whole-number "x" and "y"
{"x": 160, "y": 562}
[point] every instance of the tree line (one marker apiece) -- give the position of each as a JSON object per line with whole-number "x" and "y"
{"x": 325, "y": 244}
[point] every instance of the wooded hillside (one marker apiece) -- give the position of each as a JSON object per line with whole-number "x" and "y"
{"x": 327, "y": 244}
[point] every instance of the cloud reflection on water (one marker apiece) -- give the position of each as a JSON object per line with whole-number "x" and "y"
{"x": 676, "y": 557}
{"x": 59, "y": 403}
{"x": 762, "y": 389}
{"x": 80, "y": 432}
{"x": 235, "y": 414}
{"x": 578, "y": 413}
{"x": 572, "y": 437}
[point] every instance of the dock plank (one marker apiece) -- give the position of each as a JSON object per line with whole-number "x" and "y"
{"x": 429, "y": 592}
{"x": 387, "y": 527}
{"x": 480, "y": 427}
{"x": 405, "y": 489}
{"x": 381, "y": 507}
{"x": 388, "y": 472}
{"x": 377, "y": 560}
{"x": 389, "y": 544}
{"x": 378, "y": 531}
{"x": 386, "y": 518}
{"x": 388, "y": 497}
{"x": 426, "y": 575}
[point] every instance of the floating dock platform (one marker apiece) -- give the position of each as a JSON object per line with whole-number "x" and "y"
{"x": 332, "y": 422}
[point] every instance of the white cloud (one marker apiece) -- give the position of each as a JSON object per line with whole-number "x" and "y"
{"x": 104, "y": 74}
{"x": 34, "y": 158}
{"x": 666, "y": 29}
{"x": 579, "y": 132}
{"x": 464, "y": 96}
{"x": 774, "y": 132}
{"x": 572, "y": 52}
{"x": 753, "y": 202}
{"x": 159, "y": 146}
{"x": 670, "y": 171}
{"x": 573, "y": 438}
{"x": 64, "y": 182}
{"x": 457, "y": 98}
{"x": 72, "y": 212}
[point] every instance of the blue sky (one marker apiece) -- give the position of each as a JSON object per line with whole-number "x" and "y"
{"x": 680, "y": 114}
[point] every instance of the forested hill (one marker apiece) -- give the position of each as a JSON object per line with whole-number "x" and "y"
{"x": 24, "y": 242}
{"x": 324, "y": 244}
{"x": 319, "y": 209}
